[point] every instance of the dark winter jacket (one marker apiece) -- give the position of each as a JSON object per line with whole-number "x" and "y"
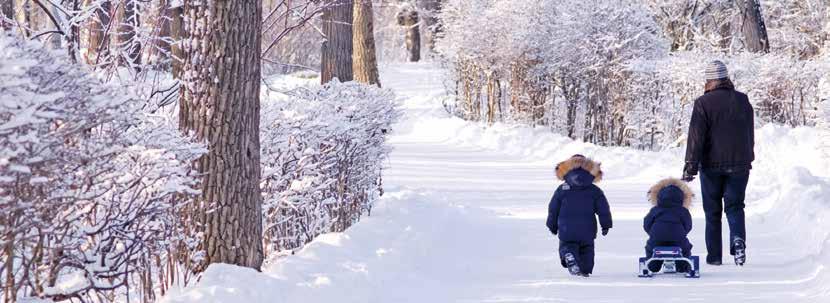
{"x": 669, "y": 220}
{"x": 722, "y": 131}
{"x": 573, "y": 210}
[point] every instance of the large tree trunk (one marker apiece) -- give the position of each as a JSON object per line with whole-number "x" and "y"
{"x": 753, "y": 27}
{"x": 365, "y": 63}
{"x": 337, "y": 49}
{"x": 127, "y": 22}
{"x": 219, "y": 104}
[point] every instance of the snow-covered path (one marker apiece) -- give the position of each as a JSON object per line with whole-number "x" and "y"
{"x": 463, "y": 221}
{"x": 509, "y": 256}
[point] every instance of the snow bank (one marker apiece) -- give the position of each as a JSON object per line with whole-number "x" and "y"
{"x": 371, "y": 259}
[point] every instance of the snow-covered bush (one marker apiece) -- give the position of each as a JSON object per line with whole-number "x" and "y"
{"x": 91, "y": 184}
{"x": 797, "y": 27}
{"x": 559, "y": 63}
{"x": 323, "y": 149}
{"x": 782, "y": 89}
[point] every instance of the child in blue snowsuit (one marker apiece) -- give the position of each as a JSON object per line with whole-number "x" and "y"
{"x": 669, "y": 221}
{"x": 573, "y": 211}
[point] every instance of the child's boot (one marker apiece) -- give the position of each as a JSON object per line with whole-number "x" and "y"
{"x": 740, "y": 251}
{"x": 573, "y": 267}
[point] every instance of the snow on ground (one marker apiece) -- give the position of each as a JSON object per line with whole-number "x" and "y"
{"x": 463, "y": 221}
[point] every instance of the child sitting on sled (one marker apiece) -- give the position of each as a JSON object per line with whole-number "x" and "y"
{"x": 669, "y": 221}
{"x": 573, "y": 211}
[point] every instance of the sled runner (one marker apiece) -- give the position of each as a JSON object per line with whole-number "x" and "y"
{"x": 672, "y": 257}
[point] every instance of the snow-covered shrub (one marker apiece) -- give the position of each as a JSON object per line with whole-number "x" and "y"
{"x": 91, "y": 184}
{"x": 323, "y": 149}
{"x": 782, "y": 89}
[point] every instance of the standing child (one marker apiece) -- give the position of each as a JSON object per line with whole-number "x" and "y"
{"x": 573, "y": 211}
{"x": 669, "y": 221}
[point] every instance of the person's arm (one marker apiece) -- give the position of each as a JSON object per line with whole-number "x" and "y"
{"x": 687, "y": 220}
{"x": 648, "y": 221}
{"x": 752, "y": 129}
{"x": 696, "y": 140}
{"x": 603, "y": 210}
{"x": 553, "y": 211}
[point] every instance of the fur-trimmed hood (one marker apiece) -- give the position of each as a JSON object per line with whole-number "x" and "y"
{"x": 670, "y": 189}
{"x": 564, "y": 167}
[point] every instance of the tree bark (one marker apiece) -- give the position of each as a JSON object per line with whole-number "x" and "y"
{"x": 219, "y": 105}
{"x": 338, "y": 49}
{"x": 753, "y": 27}
{"x": 365, "y": 63}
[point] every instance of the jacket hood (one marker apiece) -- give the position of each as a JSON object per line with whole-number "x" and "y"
{"x": 590, "y": 166}
{"x": 670, "y": 192}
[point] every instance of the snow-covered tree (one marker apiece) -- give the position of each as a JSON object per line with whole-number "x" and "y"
{"x": 513, "y": 60}
{"x": 797, "y": 27}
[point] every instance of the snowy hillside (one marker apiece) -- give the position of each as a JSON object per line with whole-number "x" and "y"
{"x": 462, "y": 220}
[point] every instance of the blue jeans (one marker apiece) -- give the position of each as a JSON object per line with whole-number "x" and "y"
{"x": 723, "y": 190}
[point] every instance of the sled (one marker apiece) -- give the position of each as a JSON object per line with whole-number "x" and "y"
{"x": 671, "y": 257}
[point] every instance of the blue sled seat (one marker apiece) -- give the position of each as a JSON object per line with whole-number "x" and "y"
{"x": 670, "y": 256}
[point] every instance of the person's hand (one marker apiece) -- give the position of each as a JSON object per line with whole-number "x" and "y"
{"x": 604, "y": 231}
{"x": 555, "y": 232}
{"x": 689, "y": 172}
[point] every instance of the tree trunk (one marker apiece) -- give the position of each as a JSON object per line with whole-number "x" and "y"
{"x": 127, "y": 22}
{"x": 408, "y": 18}
{"x": 753, "y": 27}
{"x": 337, "y": 49}
{"x": 219, "y": 105}
{"x": 365, "y": 65}
{"x": 22, "y": 15}
{"x": 433, "y": 25}
{"x": 159, "y": 52}
{"x": 413, "y": 43}
{"x": 178, "y": 34}
{"x": 95, "y": 31}
{"x": 7, "y": 11}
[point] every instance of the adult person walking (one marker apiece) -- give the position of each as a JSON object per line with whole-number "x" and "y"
{"x": 721, "y": 145}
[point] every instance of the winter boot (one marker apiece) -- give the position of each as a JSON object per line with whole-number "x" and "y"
{"x": 570, "y": 262}
{"x": 740, "y": 251}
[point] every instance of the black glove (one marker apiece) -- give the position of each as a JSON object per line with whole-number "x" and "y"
{"x": 689, "y": 172}
{"x": 604, "y": 231}
{"x": 554, "y": 232}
